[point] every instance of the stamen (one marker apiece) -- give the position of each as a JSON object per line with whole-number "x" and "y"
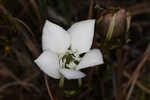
{"x": 70, "y": 60}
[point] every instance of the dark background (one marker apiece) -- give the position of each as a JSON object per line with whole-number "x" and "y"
{"x": 21, "y": 23}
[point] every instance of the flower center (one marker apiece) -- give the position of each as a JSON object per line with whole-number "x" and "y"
{"x": 70, "y": 60}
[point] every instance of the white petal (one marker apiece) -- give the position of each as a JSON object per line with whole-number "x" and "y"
{"x": 71, "y": 74}
{"x": 92, "y": 58}
{"x": 55, "y": 38}
{"x": 82, "y": 35}
{"x": 49, "y": 64}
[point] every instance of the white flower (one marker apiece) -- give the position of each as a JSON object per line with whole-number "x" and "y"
{"x": 66, "y": 52}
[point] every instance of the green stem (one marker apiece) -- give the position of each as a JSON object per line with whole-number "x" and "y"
{"x": 80, "y": 82}
{"x": 61, "y": 82}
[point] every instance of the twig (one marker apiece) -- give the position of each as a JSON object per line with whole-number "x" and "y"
{"x": 2, "y": 88}
{"x": 119, "y": 67}
{"x": 26, "y": 8}
{"x": 90, "y": 15}
{"x": 136, "y": 72}
{"x": 17, "y": 81}
{"x": 140, "y": 8}
{"x": 48, "y": 88}
{"x": 35, "y": 50}
{"x": 25, "y": 25}
{"x": 85, "y": 93}
{"x": 36, "y": 8}
{"x": 22, "y": 83}
{"x": 90, "y": 77}
{"x": 138, "y": 83}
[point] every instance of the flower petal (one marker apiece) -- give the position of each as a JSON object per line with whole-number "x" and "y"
{"x": 82, "y": 35}
{"x": 92, "y": 58}
{"x": 55, "y": 38}
{"x": 71, "y": 74}
{"x": 49, "y": 64}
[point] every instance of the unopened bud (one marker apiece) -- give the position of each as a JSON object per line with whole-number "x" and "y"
{"x": 112, "y": 24}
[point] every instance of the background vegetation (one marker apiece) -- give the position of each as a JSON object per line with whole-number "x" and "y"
{"x": 125, "y": 74}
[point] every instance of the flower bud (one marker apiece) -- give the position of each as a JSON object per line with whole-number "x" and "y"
{"x": 112, "y": 23}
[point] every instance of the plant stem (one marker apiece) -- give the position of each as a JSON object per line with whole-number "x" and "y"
{"x": 80, "y": 82}
{"x": 119, "y": 73}
{"x": 61, "y": 82}
{"x": 48, "y": 88}
{"x": 90, "y": 15}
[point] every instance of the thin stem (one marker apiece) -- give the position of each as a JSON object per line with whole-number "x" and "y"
{"x": 61, "y": 82}
{"x": 80, "y": 82}
{"x": 138, "y": 83}
{"x": 119, "y": 73}
{"x": 90, "y": 15}
{"x": 137, "y": 71}
{"x": 48, "y": 88}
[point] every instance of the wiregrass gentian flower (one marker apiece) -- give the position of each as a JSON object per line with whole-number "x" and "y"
{"x": 65, "y": 53}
